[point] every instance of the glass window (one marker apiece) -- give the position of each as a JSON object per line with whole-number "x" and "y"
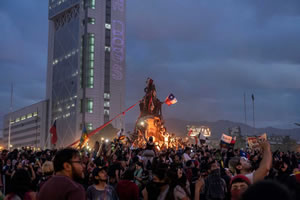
{"x": 91, "y": 72}
{"x": 18, "y": 119}
{"x": 89, "y": 106}
{"x": 92, "y": 48}
{"x": 91, "y": 20}
{"x": 29, "y": 115}
{"x": 92, "y": 4}
{"x": 91, "y": 64}
{"x": 106, "y": 112}
{"x": 92, "y": 40}
{"x": 89, "y": 126}
{"x": 23, "y": 117}
{"x": 106, "y": 95}
{"x": 108, "y": 26}
{"x": 107, "y": 48}
{"x": 106, "y": 103}
{"x": 90, "y": 83}
{"x": 35, "y": 114}
{"x": 92, "y": 56}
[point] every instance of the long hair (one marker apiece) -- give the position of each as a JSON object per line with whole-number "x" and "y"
{"x": 176, "y": 181}
{"x": 21, "y": 183}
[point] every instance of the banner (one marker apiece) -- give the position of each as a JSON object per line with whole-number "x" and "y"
{"x": 226, "y": 138}
{"x": 225, "y": 141}
{"x": 253, "y": 142}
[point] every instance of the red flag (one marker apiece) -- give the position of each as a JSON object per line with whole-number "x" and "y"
{"x": 53, "y": 132}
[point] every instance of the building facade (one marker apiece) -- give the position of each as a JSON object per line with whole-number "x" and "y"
{"x": 86, "y": 65}
{"x": 28, "y": 126}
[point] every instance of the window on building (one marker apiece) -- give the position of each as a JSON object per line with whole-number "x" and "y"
{"x": 29, "y": 115}
{"x": 106, "y": 111}
{"x": 106, "y": 96}
{"x": 107, "y": 26}
{"x": 91, "y": 20}
{"x": 106, "y": 103}
{"x": 91, "y": 71}
{"x": 23, "y": 117}
{"x": 90, "y": 74}
{"x": 107, "y": 48}
{"x": 91, "y": 64}
{"x": 18, "y": 119}
{"x": 35, "y": 114}
{"x": 89, "y": 126}
{"x": 89, "y": 106}
{"x": 92, "y": 49}
{"x": 92, "y": 56}
{"x": 92, "y": 4}
{"x": 90, "y": 82}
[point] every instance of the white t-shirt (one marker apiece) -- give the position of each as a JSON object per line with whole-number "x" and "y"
{"x": 250, "y": 177}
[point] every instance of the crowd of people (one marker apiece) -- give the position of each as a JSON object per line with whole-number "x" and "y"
{"x": 116, "y": 170}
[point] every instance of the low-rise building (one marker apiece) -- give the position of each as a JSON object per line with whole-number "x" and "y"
{"x": 28, "y": 126}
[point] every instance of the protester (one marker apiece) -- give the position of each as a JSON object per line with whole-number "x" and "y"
{"x": 47, "y": 171}
{"x": 117, "y": 170}
{"x": 126, "y": 188}
{"x": 21, "y": 186}
{"x": 238, "y": 185}
{"x": 100, "y": 190}
{"x": 241, "y": 165}
{"x": 63, "y": 186}
{"x": 266, "y": 190}
{"x": 138, "y": 174}
{"x": 214, "y": 185}
{"x": 159, "y": 186}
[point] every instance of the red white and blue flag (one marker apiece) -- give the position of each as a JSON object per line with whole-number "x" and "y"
{"x": 170, "y": 100}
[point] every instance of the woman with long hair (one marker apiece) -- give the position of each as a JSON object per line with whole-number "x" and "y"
{"x": 21, "y": 186}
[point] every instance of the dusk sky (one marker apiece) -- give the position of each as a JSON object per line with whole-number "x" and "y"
{"x": 208, "y": 53}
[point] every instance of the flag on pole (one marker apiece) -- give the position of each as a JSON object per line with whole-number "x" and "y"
{"x": 252, "y": 97}
{"x": 84, "y": 137}
{"x": 170, "y": 100}
{"x": 53, "y": 133}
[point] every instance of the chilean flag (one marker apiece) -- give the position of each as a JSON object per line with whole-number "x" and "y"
{"x": 53, "y": 132}
{"x": 170, "y": 100}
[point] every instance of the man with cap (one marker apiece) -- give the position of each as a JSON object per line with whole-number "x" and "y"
{"x": 100, "y": 190}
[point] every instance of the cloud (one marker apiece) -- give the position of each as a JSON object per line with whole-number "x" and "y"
{"x": 207, "y": 53}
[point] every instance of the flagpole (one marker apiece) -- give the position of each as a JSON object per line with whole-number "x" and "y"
{"x": 9, "y": 123}
{"x": 253, "y": 113}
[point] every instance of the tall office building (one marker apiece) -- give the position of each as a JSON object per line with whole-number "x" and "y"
{"x": 86, "y": 65}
